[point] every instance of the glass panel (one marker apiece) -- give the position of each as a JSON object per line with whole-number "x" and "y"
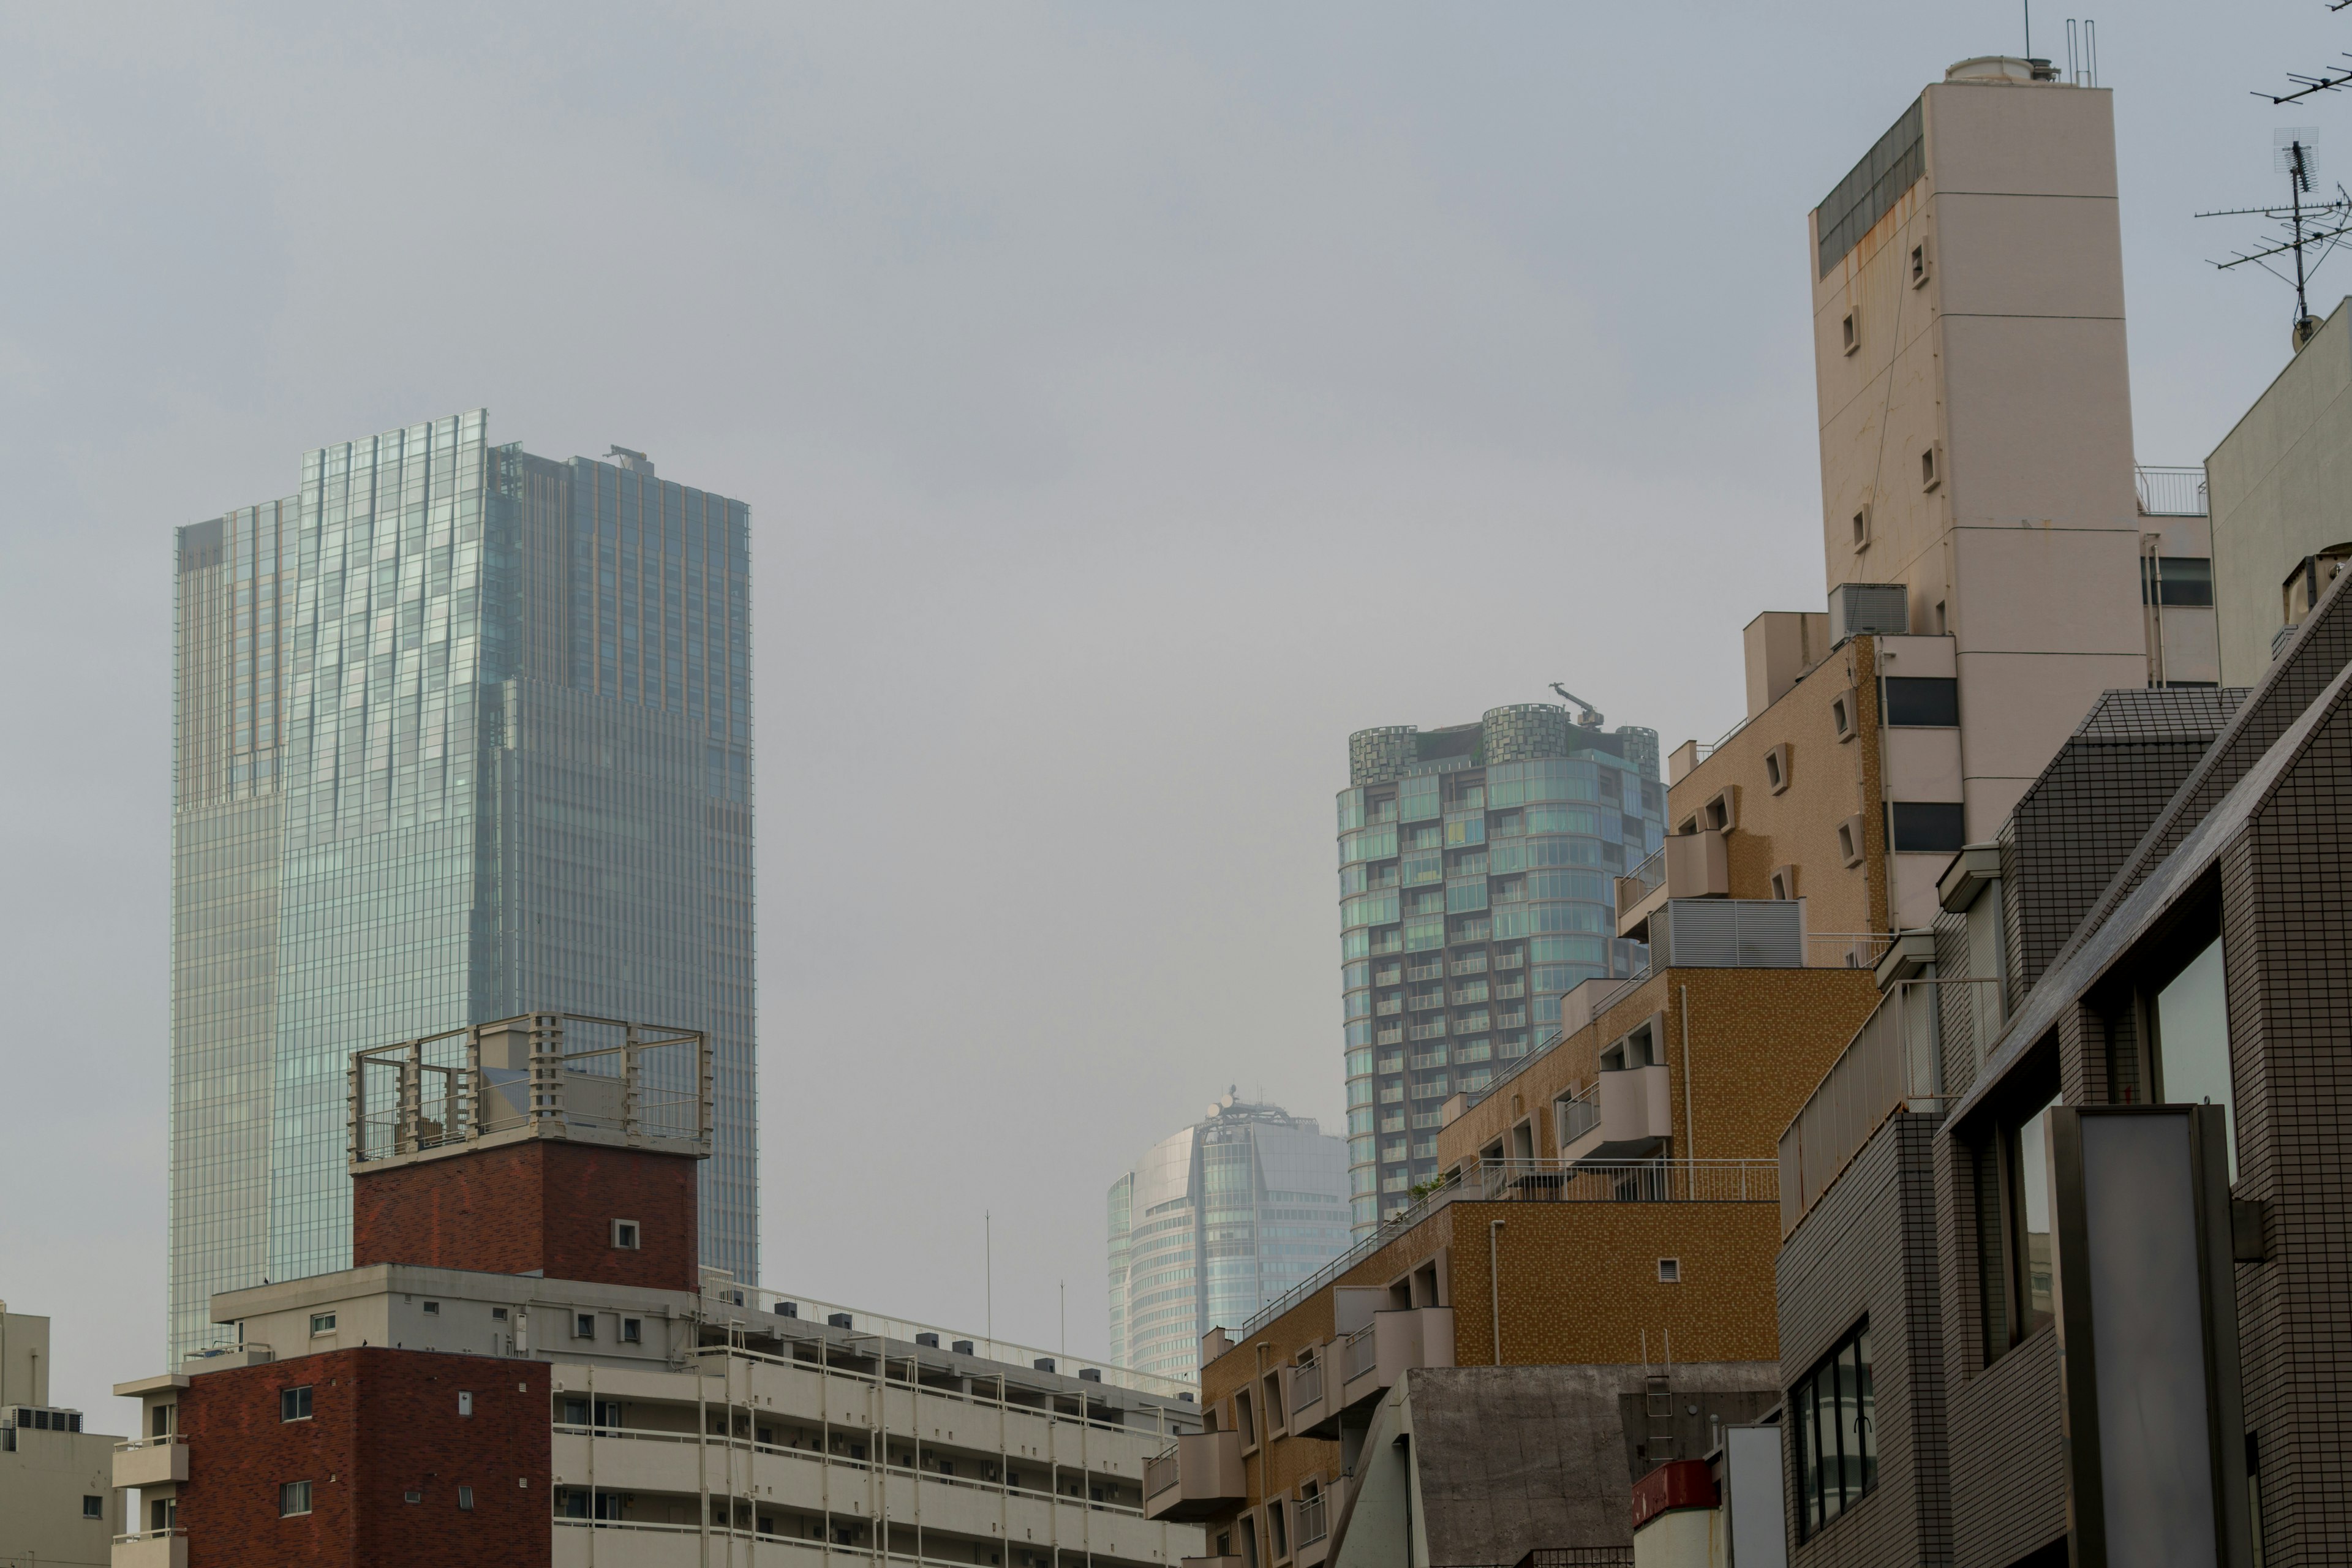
{"x": 1832, "y": 1423}
{"x": 1867, "y": 1422}
{"x": 2192, "y": 1035}
{"x": 2032, "y": 1178}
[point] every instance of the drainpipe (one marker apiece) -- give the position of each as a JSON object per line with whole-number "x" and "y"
{"x": 1690, "y": 1126}
{"x": 1494, "y": 1298}
{"x": 1404, "y": 1446}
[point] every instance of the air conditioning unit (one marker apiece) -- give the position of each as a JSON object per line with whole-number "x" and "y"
{"x": 1875, "y": 609}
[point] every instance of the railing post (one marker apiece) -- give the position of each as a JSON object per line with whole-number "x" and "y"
{"x": 405, "y": 1138}
{"x": 472, "y": 1097}
{"x": 630, "y": 1106}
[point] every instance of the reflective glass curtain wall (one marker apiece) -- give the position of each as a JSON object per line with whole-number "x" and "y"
{"x": 1477, "y": 887}
{"x": 422, "y": 778}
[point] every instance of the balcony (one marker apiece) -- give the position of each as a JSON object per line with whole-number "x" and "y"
{"x": 1622, "y": 1182}
{"x": 1689, "y": 866}
{"x": 1313, "y": 1531}
{"x": 1473, "y": 965}
{"x": 1433, "y": 1029}
{"x": 1391, "y": 1035}
{"x": 1464, "y": 994}
{"x": 1373, "y": 1358}
{"x": 1393, "y": 1062}
{"x": 1630, "y": 1112}
{"x": 1426, "y": 972}
{"x": 1510, "y": 960}
{"x": 1392, "y": 1123}
{"x": 1309, "y": 1389}
{"x": 2170, "y": 492}
{"x": 1426, "y": 1000}
{"x": 1388, "y": 1009}
{"x": 1472, "y": 930}
{"x": 1471, "y": 1022}
{"x": 152, "y": 1462}
{"x": 1727, "y": 933}
{"x": 1895, "y": 1063}
{"x": 1511, "y": 992}
{"x": 1435, "y": 1058}
{"x": 1511, "y": 1020}
{"x": 1195, "y": 1477}
{"x": 152, "y": 1549}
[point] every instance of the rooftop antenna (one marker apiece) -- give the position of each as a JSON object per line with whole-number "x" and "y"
{"x": 2082, "y": 53}
{"x": 2312, "y": 229}
{"x": 1588, "y": 716}
{"x": 2327, "y": 81}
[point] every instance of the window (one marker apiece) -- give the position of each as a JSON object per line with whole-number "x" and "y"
{"x": 1670, "y": 1270}
{"x": 323, "y": 1323}
{"x": 1836, "y": 1434}
{"x": 583, "y": 1325}
{"x": 633, "y": 1331}
{"x": 1776, "y": 768}
{"x": 625, "y": 1235}
{"x": 162, "y": 1513}
{"x": 1276, "y": 1530}
{"x": 1246, "y": 1420}
{"x": 432, "y": 1309}
{"x": 1922, "y": 700}
{"x": 1919, "y": 265}
{"x": 293, "y": 1498}
{"x": 1931, "y": 466}
{"x": 1851, "y": 331}
{"x": 465, "y": 1401}
{"x": 2175, "y": 580}
{"x": 411, "y": 1497}
{"x": 1784, "y": 881}
{"x": 1721, "y": 813}
{"x": 1917, "y": 826}
{"x": 160, "y": 1418}
{"x": 1862, "y": 528}
{"x": 93, "y": 1506}
{"x": 466, "y": 1499}
{"x": 2013, "y": 1224}
{"x": 497, "y": 1314}
{"x": 1842, "y": 715}
{"x": 1850, "y": 841}
{"x": 2191, "y": 1018}
{"x": 294, "y": 1404}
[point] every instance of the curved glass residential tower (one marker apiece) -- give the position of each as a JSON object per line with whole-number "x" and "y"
{"x": 1217, "y": 1221}
{"x": 458, "y": 732}
{"x": 1476, "y": 867}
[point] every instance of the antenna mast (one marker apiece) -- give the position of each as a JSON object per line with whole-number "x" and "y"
{"x": 2309, "y": 226}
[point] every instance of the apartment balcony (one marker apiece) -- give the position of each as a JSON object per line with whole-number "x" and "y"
{"x": 1312, "y": 1533}
{"x": 152, "y": 1462}
{"x": 1471, "y": 1022}
{"x": 1371, "y": 1360}
{"x": 1310, "y": 1391}
{"x": 1391, "y": 1035}
{"x": 1511, "y": 1020}
{"x": 1195, "y": 1477}
{"x": 1426, "y": 1000}
{"x": 1391, "y": 975}
{"x": 1433, "y": 1029}
{"x": 1426, "y": 972}
{"x": 1626, "y": 1114}
{"x": 1511, "y": 992}
{"x": 1689, "y": 866}
{"x": 1473, "y": 965}
{"x": 152, "y": 1549}
{"x": 1392, "y": 1123}
{"x": 1393, "y": 1062}
{"x": 1472, "y": 930}
{"x": 1466, "y": 994}
{"x": 1430, "y": 1090}
{"x": 1435, "y": 1058}
{"x": 1510, "y": 960}
{"x": 1388, "y": 1009}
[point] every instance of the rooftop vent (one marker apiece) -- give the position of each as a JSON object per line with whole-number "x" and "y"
{"x": 929, "y": 1342}
{"x": 961, "y": 1347}
{"x": 1089, "y": 1374}
{"x": 1044, "y": 1363}
{"x": 788, "y": 1309}
{"x": 837, "y": 1320}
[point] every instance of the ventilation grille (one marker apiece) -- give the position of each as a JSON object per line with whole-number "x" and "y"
{"x": 1731, "y": 933}
{"x": 1874, "y": 610}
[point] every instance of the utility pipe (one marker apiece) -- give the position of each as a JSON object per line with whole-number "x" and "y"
{"x": 1494, "y": 1294}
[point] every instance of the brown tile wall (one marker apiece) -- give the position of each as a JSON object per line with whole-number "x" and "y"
{"x": 1829, "y": 780}
{"x": 544, "y": 1205}
{"x": 384, "y": 1423}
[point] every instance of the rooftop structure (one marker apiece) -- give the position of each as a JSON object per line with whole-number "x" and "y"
{"x": 56, "y": 1502}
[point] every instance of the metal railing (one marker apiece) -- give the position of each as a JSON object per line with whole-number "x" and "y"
{"x": 1896, "y": 1061}
{"x": 1473, "y": 965}
{"x": 1311, "y": 1525}
{"x": 1845, "y": 949}
{"x": 1510, "y": 960}
{"x": 1161, "y": 1473}
{"x": 1426, "y": 971}
{"x": 1306, "y": 1385}
{"x": 2170, "y": 491}
{"x": 169, "y": 1533}
{"x": 1579, "y": 1115}
{"x": 1422, "y": 1002}
{"x": 168, "y": 1441}
{"x": 1429, "y": 1031}
{"x": 1359, "y": 1353}
{"x": 1467, "y": 996}
{"x": 1648, "y": 878}
{"x": 635, "y": 1080}
{"x": 1391, "y": 1035}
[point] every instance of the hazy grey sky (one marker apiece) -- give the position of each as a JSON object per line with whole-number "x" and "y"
{"x": 1132, "y": 401}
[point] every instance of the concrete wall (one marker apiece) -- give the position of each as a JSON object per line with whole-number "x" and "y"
{"x": 2279, "y": 489}
{"x": 2008, "y": 362}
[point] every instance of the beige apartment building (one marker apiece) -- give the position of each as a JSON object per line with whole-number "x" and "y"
{"x": 1975, "y": 413}
{"x": 57, "y": 1503}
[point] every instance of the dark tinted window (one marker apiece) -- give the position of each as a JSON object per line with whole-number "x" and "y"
{"x": 1929, "y": 825}
{"x": 294, "y": 1404}
{"x": 2184, "y": 580}
{"x": 1922, "y": 699}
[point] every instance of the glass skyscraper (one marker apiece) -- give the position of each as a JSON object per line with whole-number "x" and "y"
{"x": 1217, "y": 1221}
{"x": 460, "y": 733}
{"x": 1477, "y": 867}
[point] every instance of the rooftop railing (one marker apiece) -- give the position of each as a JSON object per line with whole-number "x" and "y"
{"x": 2171, "y": 492}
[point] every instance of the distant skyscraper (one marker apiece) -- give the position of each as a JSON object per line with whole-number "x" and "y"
{"x": 1215, "y": 1221}
{"x": 458, "y": 732}
{"x": 1475, "y": 888}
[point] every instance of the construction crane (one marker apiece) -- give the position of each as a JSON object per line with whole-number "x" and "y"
{"x": 1588, "y": 716}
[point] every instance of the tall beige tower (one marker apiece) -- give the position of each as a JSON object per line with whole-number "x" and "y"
{"x": 1976, "y": 411}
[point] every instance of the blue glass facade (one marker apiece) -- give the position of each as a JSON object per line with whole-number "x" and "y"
{"x": 460, "y": 733}
{"x": 1477, "y": 887}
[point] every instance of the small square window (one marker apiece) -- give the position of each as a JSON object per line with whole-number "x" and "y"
{"x": 1852, "y": 331}
{"x": 1862, "y": 527}
{"x": 1842, "y": 715}
{"x": 411, "y": 1497}
{"x": 1784, "y": 881}
{"x": 465, "y": 1401}
{"x": 466, "y": 1499}
{"x": 432, "y": 1309}
{"x": 1670, "y": 1270}
{"x": 625, "y": 1235}
{"x": 92, "y": 1506}
{"x": 293, "y": 1498}
{"x": 1931, "y": 464}
{"x": 583, "y": 1325}
{"x": 1919, "y": 264}
{"x": 631, "y": 1331}
{"x": 497, "y": 1314}
{"x": 1849, "y": 840}
{"x": 294, "y": 1404}
{"x": 322, "y": 1323}
{"x": 1776, "y": 768}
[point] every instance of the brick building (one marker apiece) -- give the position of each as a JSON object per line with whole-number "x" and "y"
{"x": 527, "y": 1365}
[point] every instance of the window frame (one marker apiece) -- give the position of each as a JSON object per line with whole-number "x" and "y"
{"x": 1809, "y": 1462}
{"x": 628, "y": 1236}
{"x": 297, "y": 1401}
{"x": 2004, "y": 1258}
{"x": 289, "y": 1493}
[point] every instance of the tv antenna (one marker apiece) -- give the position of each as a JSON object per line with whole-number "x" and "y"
{"x": 2327, "y": 81}
{"x": 2311, "y": 229}
{"x": 1588, "y": 716}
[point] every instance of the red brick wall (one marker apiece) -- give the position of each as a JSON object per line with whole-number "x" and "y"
{"x": 542, "y": 1204}
{"x": 384, "y": 1423}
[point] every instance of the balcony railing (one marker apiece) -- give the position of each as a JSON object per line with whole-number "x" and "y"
{"x": 1428, "y": 1120}
{"x": 1471, "y": 1022}
{"x": 1473, "y": 965}
{"x": 1578, "y": 1117}
{"x": 1511, "y": 992}
{"x": 1391, "y": 1035}
{"x": 1894, "y": 1062}
{"x": 1359, "y": 1353}
{"x": 2171, "y": 492}
{"x": 1388, "y": 1009}
{"x": 1511, "y": 1020}
{"x": 1473, "y": 931}
{"x": 1463, "y": 995}
{"x": 1646, "y": 878}
{"x": 1428, "y": 1031}
{"x": 1435, "y": 1058}
{"x": 1426, "y": 972}
{"x": 1845, "y": 950}
{"x": 1311, "y": 1525}
{"x": 1423, "y": 1003}
{"x": 1307, "y": 1385}
{"x": 1510, "y": 960}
